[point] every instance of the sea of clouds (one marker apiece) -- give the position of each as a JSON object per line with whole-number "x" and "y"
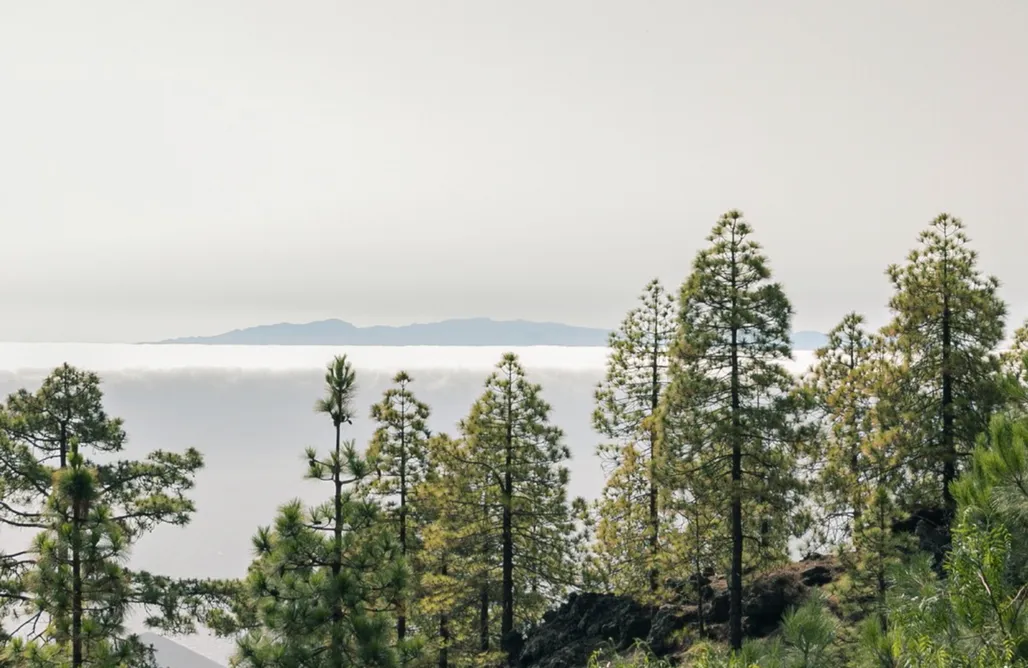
{"x": 249, "y": 410}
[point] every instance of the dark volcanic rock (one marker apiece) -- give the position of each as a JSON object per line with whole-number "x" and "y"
{"x": 720, "y": 608}
{"x": 586, "y": 622}
{"x": 767, "y": 600}
{"x": 513, "y": 644}
{"x": 666, "y": 621}
{"x": 817, "y": 576}
{"x": 569, "y": 635}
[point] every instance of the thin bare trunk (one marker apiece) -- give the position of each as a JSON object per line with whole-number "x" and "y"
{"x": 735, "y": 594}
{"x": 337, "y": 555}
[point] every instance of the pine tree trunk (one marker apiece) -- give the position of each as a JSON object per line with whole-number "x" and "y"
{"x": 401, "y": 616}
{"x": 855, "y": 456}
{"x": 76, "y": 562}
{"x": 444, "y": 629}
{"x": 699, "y": 580}
{"x": 483, "y": 618}
{"x": 76, "y": 586}
{"x": 654, "y": 536}
{"x": 337, "y": 557}
{"x": 483, "y": 603}
{"x": 949, "y": 467}
{"x": 880, "y": 568}
{"x": 857, "y": 510}
{"x": 735, "y": 593}
{"x": 507, "y": 622}
{"x": 654, "y": 510}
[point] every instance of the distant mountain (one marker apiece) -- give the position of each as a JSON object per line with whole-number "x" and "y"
{"x": 170, "y": 654}
{"x": 467, "y": 332}
{"x": 808, "y": 340}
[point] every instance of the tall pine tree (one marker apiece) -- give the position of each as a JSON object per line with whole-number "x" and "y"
{"x": 840, "y": 403}
{"x": 511, "y": 449}
{"x": 730, "y": 410}
{"x": 948, "y": 321}
{"x": 400, "y": 456}
{"x": 319, "y": 592}
{"x": 867, "y": 423}
{"x": 457, "y": 557}
{"x": 626, "y": 404}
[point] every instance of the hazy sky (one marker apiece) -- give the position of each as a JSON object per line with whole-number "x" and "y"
{"x": 173, "y": 168}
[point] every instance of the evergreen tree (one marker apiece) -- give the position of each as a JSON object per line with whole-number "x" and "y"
{"x": 730, "y": 411}
{"x": 318, "y": 592}
{"x": 618, "y": 519}
{"x": 89, "y": 511}
{"x": 399, "y": 452}
{"x": 626, "y": 403}
{"x": 975, "y": 617}
{"x": 876, "y": 548}
{"x": 456, "y": 560}
{"x": 947, "y": 324}
{"x": 511, "y": 450}
{"x": 851, "y": 388}
{"x": 841, "y": 404}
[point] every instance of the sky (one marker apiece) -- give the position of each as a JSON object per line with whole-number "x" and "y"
{"x": 189, "y": 167}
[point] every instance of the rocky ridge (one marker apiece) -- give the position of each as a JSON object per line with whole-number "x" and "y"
{"x": 588, "y": 622}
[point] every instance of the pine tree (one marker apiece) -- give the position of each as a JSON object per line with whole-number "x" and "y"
{"x": 841, "y": 403}
{"x": 78, "y": 570}
{"x": 974, "y": 616}
{"x": 730, "y": 410}
{"x": 626, "y": 404}
{"x": 618, "y": 518}
{"x": 399, "y": 452}
{"x": 89, "y": 512}
{"x": 465, "y": 500}
{"x": 948, "y": 321}
{"x": 511, "y": 449}
{"x": 456, "y": 558}
{"x": 872, "y": 389}
{"x": 318, "y": 592}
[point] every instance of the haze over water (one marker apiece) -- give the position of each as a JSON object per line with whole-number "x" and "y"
{"x": 249, "y": 410}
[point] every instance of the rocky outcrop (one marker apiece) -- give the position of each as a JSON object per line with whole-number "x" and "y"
{"x": 584, "y": 623}
{"x": 588, "y": 622}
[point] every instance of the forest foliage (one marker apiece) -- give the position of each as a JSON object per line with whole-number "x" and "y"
{"x": 447, "y": 548}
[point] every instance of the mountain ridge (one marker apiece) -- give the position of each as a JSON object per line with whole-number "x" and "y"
{"x": 453, "y": 332}
{"x": 456, "y": 332}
